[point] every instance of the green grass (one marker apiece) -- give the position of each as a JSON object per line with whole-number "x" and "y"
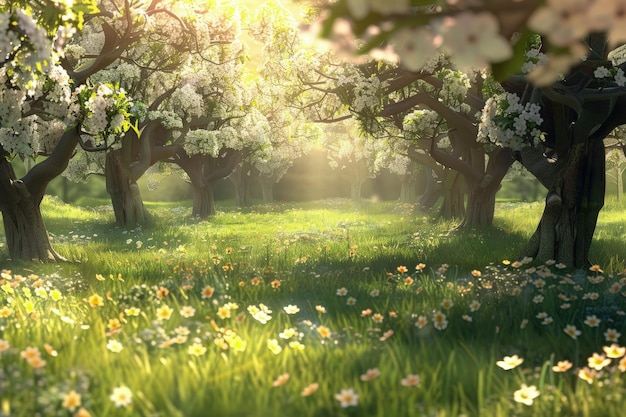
{"x": 307, "y": 255}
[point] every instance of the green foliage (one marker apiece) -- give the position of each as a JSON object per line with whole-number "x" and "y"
{"x": 170, "y": 313}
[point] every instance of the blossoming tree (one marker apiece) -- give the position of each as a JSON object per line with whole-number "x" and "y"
{"x": 578, "y": 108}
{"x": 48, "y": 110}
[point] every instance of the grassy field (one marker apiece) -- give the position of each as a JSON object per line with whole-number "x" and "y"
{"x": 319, "y": 309}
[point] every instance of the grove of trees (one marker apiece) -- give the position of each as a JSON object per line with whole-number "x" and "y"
{"x": 453, "y": 91}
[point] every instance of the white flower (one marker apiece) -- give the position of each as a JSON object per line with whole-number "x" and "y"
{"x": 414, "y": 46}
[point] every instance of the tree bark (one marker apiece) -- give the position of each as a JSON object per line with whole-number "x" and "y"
{"x": 203, "y": 201}
{"x": 20, "y": 200}
{"x": 267, "y": 188}
{"x": 432, "y": 193}
{"x": 573, "y": 203}
{"x": 125, "y": 196}
{"x": 454, "y": 188}
{"x": 407, "y": 188}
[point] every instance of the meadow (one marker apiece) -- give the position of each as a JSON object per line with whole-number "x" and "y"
{"x": 317, "y": 309}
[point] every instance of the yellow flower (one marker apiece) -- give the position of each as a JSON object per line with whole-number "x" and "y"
{"x": 611, "y": 335}
{"x": 95, "y": 301}
{"x": 164, "y": 312}
{"x": 614, "y": 351}
{"x": 421, "y": 322}
{"x": 378, "y": 318}
{"x": 370, "y": 375}
{"x": 36, "y": 362}
{"x": 447, "y": 303}
{"x": 324, "y": 331}
{"x": 420, "y": 266}
{"x": 310, "y": 389}
{"x": 476, "y": 273}
{"x": 71, "y": 400}
{"x": 474, "y": 305}
{"x": 320, "y": 309}
{"x": 562, "y": 366}
{"x": 586, "y": 375}
{"x": 597, "y": 361}
{"x": 275, "y": 284}
{"x": 223, "y": 312}
{"x": 274, "y": 347}
{"x": 114, "y": 324}
{"x": 196, "y": 349}
{"x": 5, "y": 312}
{"x": 411, "y": 380}
{"x": 510, "y": 362}
{"x": 281, "y": 380}
{"x": 596, "y": 268}
{"x": 342, "y": 292}
{"x": 297, "y": 346}
{"x": 291, "y": 309}
{"x": 132, "y": 311}
{"x": 82, "y": 412}
{"x": 30, "y": 353}
{"x": 526, "y": 394}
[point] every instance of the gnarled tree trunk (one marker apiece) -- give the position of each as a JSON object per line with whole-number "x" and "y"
{"x": 573, "y": 202}
{"x": 203, "y": 201}
{"x": 20, "y": 200}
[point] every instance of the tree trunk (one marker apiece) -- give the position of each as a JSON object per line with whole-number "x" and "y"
{"x": 124, "y": 191}
{"x": 572, "y": 205}
{"x": 432, "y": 192}
{"x": 355, "y": 189}
{"x": 619, "y": 183}
{"x": 481, "y": 198}
{"x": 267, "y": 189}
{"x": 453, "y": 206}
{"x": 26, "y": 234}
{"x": 407, "y": 189}
{"x": 203, "y": 201}
{"x": 239, "y": 178}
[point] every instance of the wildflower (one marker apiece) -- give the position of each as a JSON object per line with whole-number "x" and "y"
{"x": 597, "y": 361}
{"x": 4, "y": 345}
{"x": 187, "y": 311}
{"x": 596, "y": 268}
{"x": 30, "y": 353}
{"x": 402, "y": 269}
{"x": 208, "y": 291}
{"x": 378, "y": 318}
{"x": 622, "y": 364}
{"x": 592, "y": 321}
{"x": 421, "y": 322}
{"x": 370, "y": 375}
{"x": 510, "y": 362}
{"x": 275, "y": 284}
{"x": 565, "y": 306}
{"x": 182, "y": 331}
{"x": 571, "y": 331}
{"x": 386, "y": 335}
{"x": 309, "y": 389}
{"x": 537, "y": 299}
{"x": 256, "y": 281}
{"x": 547, "y": 320}
{"x": 516, "y": 264}
{"x": 196, "y": 349}
{"x": 95, "y": 301}
{"x": 324, "y": 332}
{"x": 281, "y": 380}
{"x": 223, "y": 312}
{"x": 164, "y": 312}
{"x": 542, "y": 315}
{"x": 467, "y": 318}
{"x": 562, "y": 366}
{"x": 5, "y": 312}
{"x": 162, "y": 292}
{"x": 411, "y": 380}
{"x": 351, "y": 301}
{"x": 274, "y": 346}
{"x": 114, "y": 324}
{"x": 539, "y": 283}
{"x": 132, "y": 311}
{"x": 71, "y": 400}
{"x": 342, "y": 292}
{"x": 615, "y": 288}
{"x": 523, "y": 324}
{"x": 295, "y": 345}
{"x": 347, "y": 398}
{"x": 526, "y": 394}
{"x": 320, "y": 309}
{"x": 56, "y": 294}
{"x": 474, "y": 305}
{"x": 614, "y": 351}
{"x": 420, "y": 266}
{"x": 611, "y": 335}
{"x": 408, "y": 281}
{"x": 288, "y": 333}
{"x": 36, "y": 362}
{"x": 114, "y": 346}
{"x": 591, "y": 296}
{"x": 586, "y": 375}
{"x": 122, "y": 396}
{"x": 446, "y": 303}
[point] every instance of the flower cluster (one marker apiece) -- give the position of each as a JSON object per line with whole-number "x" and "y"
{"x": 508, "y": 123}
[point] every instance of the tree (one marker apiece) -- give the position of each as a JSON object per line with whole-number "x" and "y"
{"x": 579, "y": 110}
{"x": 44, "y": 116}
